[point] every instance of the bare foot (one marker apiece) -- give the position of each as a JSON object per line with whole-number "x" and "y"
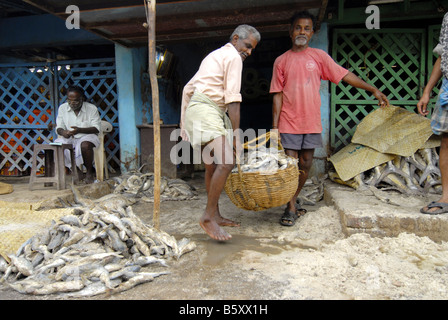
{"x": 224, "y": 222}
{"x": 212, "y": 228}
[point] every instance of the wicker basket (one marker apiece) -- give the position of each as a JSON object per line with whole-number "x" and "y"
{"x": 256, "y": 191}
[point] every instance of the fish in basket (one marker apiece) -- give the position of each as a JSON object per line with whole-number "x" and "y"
{"x": 265, "y": 178}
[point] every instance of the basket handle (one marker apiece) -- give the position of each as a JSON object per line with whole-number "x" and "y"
{"x": 266, "y": 136}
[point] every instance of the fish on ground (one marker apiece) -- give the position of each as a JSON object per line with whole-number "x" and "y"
{"x": 92, "y": 252}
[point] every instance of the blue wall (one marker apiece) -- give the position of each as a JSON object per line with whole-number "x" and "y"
{"x": 320, "y": 41}
{"x": 130, "y": 68}
{"x": 42, "y": 31}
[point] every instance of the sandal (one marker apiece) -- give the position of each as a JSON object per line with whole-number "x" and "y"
{"x": 289, "y": 218}
{"x": 300, "y": 211}
{"x": 442, "y": 208}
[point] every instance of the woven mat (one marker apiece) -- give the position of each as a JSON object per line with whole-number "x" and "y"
{"x": 21, "y": 221}
{"x": 356, "y": 158}
{"x": 380, "y": 137}
{"x": 393, "y": 130}
{"x": 5, "y": 188}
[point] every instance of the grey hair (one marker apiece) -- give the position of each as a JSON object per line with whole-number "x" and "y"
{"x": 243, "y": 31}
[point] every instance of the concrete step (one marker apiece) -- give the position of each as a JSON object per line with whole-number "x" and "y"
{"x": 387, "y": 215}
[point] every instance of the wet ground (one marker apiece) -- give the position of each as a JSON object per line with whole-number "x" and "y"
{"x": 314, "y": 259}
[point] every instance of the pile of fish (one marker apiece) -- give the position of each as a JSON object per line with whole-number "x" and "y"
{"x": 418, "y": 174}
{"x": 102, "y": 248}
{"x": 141, "y": 185}
{"x": 265, "y": 161}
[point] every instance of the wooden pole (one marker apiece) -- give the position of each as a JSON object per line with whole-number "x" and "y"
{"x": 150, "y": 6}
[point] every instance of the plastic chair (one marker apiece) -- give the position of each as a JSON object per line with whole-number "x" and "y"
{"x": 100, "y": 153}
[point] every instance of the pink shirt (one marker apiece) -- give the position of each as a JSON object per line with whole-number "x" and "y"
{"x": 298, "y": 76}
{"x": 218, "y": 77}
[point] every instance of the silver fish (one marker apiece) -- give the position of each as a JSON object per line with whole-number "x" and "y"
{"x": 185, "y": 246}
{"x": 93, "y": 289}
{"x": 47, "y": 255}
{"x": 42, "y": 268}
{"x": 141, "y": 246}
{"x": 430, "y": 168}
{"x": 116, "y": 243}
{"x": 3, "y": 264}
{"x": 411, "y": 181}
{"x": 146, "y": 260}
{"x": 138, "y": 279}
{"x": 125, "y": 272}
{"x": 71, "y": 220}
{"x": 111, "y": 267}
{"x": 56, "y": 240}
{"x": 24, "y": 266}
{"x": 111, "y": 219}
{"x": 37, "y": 259}
{"x": 74, "y": 237}
{"x": 56, "y": 287}
{"x": 26, "y": 286}
{"x": 22, "y": 247}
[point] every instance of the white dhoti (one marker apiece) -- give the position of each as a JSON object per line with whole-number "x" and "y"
{"x": 205, "y": 121}
{"x": 76, "y": 142}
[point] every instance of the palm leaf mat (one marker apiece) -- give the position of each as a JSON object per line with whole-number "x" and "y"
{"x": 5, "y": 188}
{"x": 21, "y": 221}
{"x": 380, "y": 137}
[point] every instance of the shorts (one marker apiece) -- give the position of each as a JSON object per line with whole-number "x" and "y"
{"x": 439, "y": 119}
{"x": 301, "y": 141}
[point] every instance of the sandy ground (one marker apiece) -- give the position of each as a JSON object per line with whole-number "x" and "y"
{"x": 266, "y": 261}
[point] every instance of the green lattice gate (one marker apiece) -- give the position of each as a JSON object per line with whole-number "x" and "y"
{"x": 393, "y": 60}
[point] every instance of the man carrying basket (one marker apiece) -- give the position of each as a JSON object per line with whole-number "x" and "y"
{"x": 213, "y": 91}
{"x": 295, "y": 83}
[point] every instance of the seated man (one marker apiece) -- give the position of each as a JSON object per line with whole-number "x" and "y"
{"x": 78, "y": 123}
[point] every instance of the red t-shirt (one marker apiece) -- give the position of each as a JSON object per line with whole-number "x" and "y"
{"x": 298, "y": 76}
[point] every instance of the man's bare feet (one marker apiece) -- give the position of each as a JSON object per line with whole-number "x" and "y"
{"x": 212, "y": 228}
{"x": 224, "y": 222}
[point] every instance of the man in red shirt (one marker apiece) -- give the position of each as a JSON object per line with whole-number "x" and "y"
{"x": 295, "y": 83}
